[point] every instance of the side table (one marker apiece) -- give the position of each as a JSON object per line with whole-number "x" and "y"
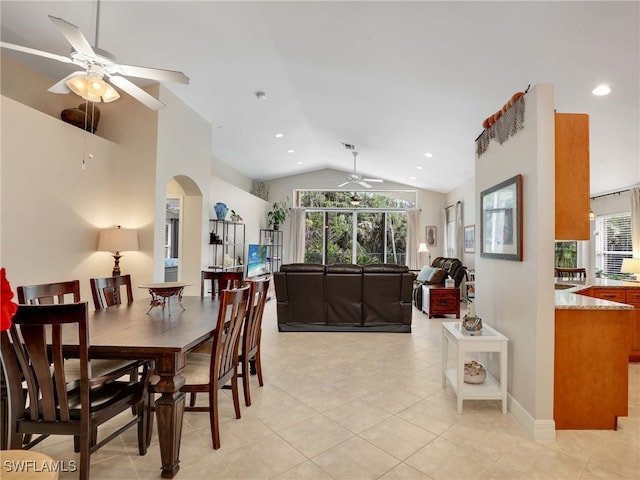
{"x": 488, "y": 340}
{"x": 439, "y": 300}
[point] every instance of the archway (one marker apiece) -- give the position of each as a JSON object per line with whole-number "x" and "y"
{"x": 185, "y": 192}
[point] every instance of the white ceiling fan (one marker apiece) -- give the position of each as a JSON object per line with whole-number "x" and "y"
{"x": 96, "y": 64}
{"x": 355, "y": 177}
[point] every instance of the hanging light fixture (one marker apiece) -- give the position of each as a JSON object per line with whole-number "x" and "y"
{"x": 355, "y": 199}
{"x": 92, "y": 87}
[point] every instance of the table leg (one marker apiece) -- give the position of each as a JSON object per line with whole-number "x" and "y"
{"x": 169, "y": 413}
{"x": 445, "y": 357}
{"x": 503, "y": 376}
{"x": 460, "y": 379}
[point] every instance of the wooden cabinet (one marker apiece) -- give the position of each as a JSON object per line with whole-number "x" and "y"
{"x": 439, "y": 300}
{"x": 591, "y": 373}
{"x": 630, "y": 296}
{"x": 572, "y": 176}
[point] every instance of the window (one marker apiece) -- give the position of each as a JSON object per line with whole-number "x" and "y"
{"x": 566, "y": 254}
{"x": 613, "y": 242}
{"x": 371, "y": 231}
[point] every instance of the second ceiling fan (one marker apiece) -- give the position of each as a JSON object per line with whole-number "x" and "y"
{"x": 355, "y": 177}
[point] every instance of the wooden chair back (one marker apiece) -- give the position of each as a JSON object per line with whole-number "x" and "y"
{"x": 32, "y": 352}
{"x": 251, "y": 335}
{"x": 222, "y": 363}
{"x": 50, "y": 293}
{"x": 107, "y": 291}
{"x": 225, "y": 280}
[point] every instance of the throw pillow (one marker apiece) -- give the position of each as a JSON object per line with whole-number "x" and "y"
{"x": 425, "y": 274}
{"x": 437, "y": 277}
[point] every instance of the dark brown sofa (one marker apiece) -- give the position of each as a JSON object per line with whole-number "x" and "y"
{"x": 343, "y": 297}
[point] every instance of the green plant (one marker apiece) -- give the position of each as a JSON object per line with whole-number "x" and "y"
{"x": 235, "y": 216}
{"x": 279, "y": 212}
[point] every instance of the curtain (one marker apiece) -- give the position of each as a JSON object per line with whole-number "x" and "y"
{"x": 174, "y": 237}
{"x": 459, "y": 231}
{"x": 413, "y": 239}
{"x": 296, "y": 254}
{"x": 635, "y": 221}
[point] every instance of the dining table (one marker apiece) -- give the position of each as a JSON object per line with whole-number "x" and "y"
{"x": 132, "y": 331}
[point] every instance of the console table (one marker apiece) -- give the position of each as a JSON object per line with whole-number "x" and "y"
{"x": 439, "y": 300}
{"x": 488, "y": 340}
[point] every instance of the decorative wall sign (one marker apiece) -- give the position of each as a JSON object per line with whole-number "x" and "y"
{"x": 501, "y": 217}
{"x": 432, "y": 236}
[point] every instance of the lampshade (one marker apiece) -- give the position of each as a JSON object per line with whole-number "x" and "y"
{"x": 93, "y": 88}
{"x": 118, "y": 240}
{"x": 422, "y": 248}
{"x": 630, "y": 265}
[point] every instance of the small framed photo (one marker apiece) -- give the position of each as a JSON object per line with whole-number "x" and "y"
{"x": 432, "y": 236}
{"x": 470, "y": 239}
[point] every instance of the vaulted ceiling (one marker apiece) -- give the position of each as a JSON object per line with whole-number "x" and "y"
{"x": 397, "y": 79}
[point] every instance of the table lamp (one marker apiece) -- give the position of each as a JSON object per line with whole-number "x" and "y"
{"x": 117, "y": 240}
{"x": 631, "y": 265}
{"x": 422, "y": 248}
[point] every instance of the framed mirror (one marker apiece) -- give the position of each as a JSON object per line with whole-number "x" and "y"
{"x": 501, "y": 220}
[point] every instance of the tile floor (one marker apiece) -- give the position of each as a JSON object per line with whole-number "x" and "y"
{"x": 352, "y": 406}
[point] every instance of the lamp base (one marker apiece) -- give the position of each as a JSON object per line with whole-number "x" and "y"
{"x": 116, "y": 265}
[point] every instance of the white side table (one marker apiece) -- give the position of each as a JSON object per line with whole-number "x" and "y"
{"x": 489, "y": 340}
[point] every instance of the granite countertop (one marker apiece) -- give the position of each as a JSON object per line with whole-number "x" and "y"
{"x": 568, "y": 298}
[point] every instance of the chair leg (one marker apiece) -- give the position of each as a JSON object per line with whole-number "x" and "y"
{"x": 192, "y": 399}
{"x": 245, "y": 382}
{"x": 213, "y": 418}
{"x": 235, "y": 392}
{"x": 258, "y": 365}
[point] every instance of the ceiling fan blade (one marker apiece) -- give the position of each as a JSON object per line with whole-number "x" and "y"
{"x": 137, "y": 93}
{"x": 154, "y": 74}
{"x": 74, "y": 36}
{"x": 364, "y": 184}
{"x": 373, "y": 180}
{"x": 61, "y": 86}
{"x": 343, "y": 184}
{"x": 33, "y": 51}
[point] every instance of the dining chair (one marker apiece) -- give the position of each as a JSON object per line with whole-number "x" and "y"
{"x": 32, "y": 352}
{"x": 107, "y": 291}
{"x": 209, "y": 373}
{"x": 249, "y": 358}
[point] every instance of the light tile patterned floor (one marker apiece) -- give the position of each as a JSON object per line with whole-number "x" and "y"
{"x": 352, "y": 406}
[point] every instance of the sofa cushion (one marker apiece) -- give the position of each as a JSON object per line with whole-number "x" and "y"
{"x": 432, "y": 275}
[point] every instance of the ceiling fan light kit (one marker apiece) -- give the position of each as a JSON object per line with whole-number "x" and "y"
{"x": 97, "y": 64}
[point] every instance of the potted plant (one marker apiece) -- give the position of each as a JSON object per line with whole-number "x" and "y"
{"x": 235, "y": 217}
{"x": 278, "y": 213}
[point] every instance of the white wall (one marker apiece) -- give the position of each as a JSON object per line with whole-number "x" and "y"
{"x": 518, "y": 297}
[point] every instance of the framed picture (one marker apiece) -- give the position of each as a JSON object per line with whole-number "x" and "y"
{"x": 432, "y": 236}
{"x": 469, "y": 239}
{"x": 501, "y": 220}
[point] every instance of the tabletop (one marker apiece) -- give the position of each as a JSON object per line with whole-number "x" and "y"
{"x": 128, "y": 328}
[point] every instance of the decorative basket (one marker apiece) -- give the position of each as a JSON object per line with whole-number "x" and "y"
{"x": 474, "y": 372}
{"x": 472, "y": 324}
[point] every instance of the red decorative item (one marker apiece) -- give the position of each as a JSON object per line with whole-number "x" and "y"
{"x": 8, "y": 307}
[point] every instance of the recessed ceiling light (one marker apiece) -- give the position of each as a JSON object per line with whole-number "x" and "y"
{"x": 601, "y": 90}
{"x": 290, "y": 151}
{"x": 412, "y": 178}
{"x": 428, "y": 155}
{"x": 279, "y": 135}
{"x": 419, "y": 167}
{"x": 299, "y": 163}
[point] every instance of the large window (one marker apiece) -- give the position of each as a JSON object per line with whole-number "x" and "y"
{"x": 355, "y": 227}
{"x": 613, "y": 242}
{"x": 566, "y": 254}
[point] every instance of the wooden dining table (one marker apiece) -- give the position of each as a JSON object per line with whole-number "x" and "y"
{"x": 131, "y": 331}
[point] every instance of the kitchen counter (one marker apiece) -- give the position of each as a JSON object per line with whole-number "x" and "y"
{"x": 567, "y": 295}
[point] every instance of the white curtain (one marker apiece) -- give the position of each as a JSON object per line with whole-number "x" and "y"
{"x": 459, "y": 231}
{"x": 296, "y": 253}
{"x": 413, "y": 239}
{"x": 635, "y": 221}
{"x": 453, "y": 230}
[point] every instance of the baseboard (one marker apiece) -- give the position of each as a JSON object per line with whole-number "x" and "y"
{"x": 536, "y": 429}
